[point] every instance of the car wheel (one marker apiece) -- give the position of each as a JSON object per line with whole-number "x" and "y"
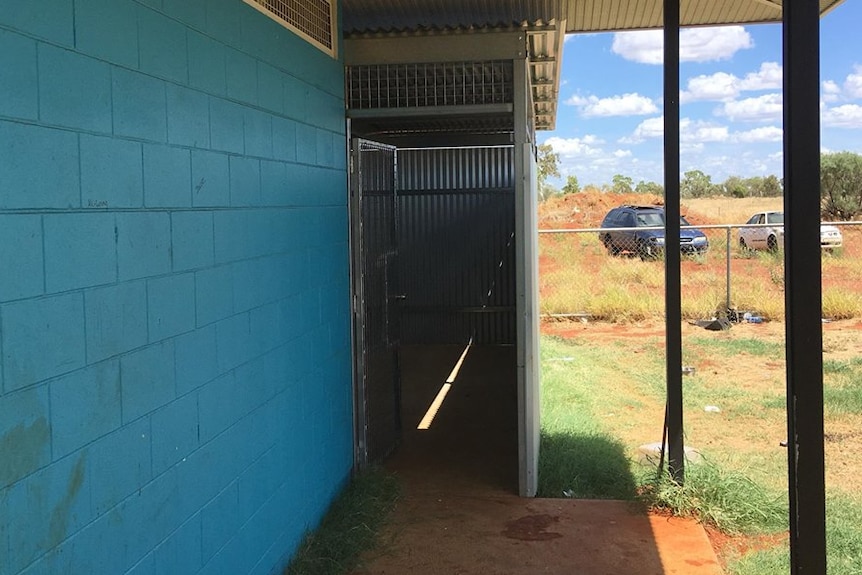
{"x": 609, "y": 245}
{"x": 742, "y": 245}
{"x": 645, "y": 251}
{"x": 772, "y": 243}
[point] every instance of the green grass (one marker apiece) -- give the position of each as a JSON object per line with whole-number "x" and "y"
{"x": 727, "y": 500}
{"x": 736, "y": 346}
{"x": 349, "y": 527}
{"x": 843, "y": 545}
{"x": 582, "y": 454}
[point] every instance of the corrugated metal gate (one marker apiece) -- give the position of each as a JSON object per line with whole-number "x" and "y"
{"x": 456, "y": 215}
{"x": 374, "y": 227}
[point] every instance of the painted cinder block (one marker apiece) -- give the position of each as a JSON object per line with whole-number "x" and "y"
{"x": 162, "y": 46}
{"x": 40, "y": 167}
{"x": 258, "y": 133}
{"x": 85, "y": 406}
{"x": 219, "y": 520}
{"x": 148, "y": 380}
{"x": 241, "y": 76}
{"x": 244, "y": 181}
{"x": 143, "y": 244}
{"x": 30, "y": 17}
{"x": 217, "y": 406}
{"x": 226, "y": 126}
{"x": 223, "y": 21}
{"x": 270, "y": 87}
{"x": 48, "y": 507}
{"x": 180, "y": 552}
{"x": 175, "y": 432}
{"x": 233, "y": 340}
{"x": 146, "y": 566}
{"x": 273, "y": 185}
{"x": 296, "y": 98}
{"x": 25, "y": 427}
{"x": 18, "y": 81}
{"x": 119, "y": 464}
{"x": 188, "y": 117}
{"x": 283, "y": 139}
{"x": 139, "y": 105}
{"x": 306, "y": 144}
{"x": 210, "y": 179}
{"x": 116, "y": 319}
{"x": 108, "y": 29}
{"x": 42, "y": 338}
{"x": 21, "y": 257}
{"x": 194, "y": 353}
{"x": 167, "y": 176}
{"x": 80, "y": 251}
{"x": 74, "y": 90}
{"x": 325, "y": 151}
{"x": 191, "y": 240}
{"x": 213, "y": 294}
{"x": 191, "y": 12}
{"x": 206, "y": 64}
{"x": 111, "y": 173}
{"x": 170, "y": 306}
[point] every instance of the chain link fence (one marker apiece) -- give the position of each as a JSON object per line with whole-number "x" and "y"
{"x": 617, "y": 274}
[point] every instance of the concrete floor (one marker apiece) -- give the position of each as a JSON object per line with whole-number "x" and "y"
{"x": 460, "y": 513}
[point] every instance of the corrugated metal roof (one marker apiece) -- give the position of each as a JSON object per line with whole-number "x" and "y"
{"x": 543, "y": 21}
{"x": 580, "y": 15}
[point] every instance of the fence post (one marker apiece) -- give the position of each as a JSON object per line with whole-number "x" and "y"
{"x": 727, "y": 276}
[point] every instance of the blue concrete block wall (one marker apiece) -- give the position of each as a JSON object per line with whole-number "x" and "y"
{"x": 175, "y": 391}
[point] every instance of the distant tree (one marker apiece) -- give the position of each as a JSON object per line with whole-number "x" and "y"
{"x": 735, "y": 187}
{"x": 547, "y": 166}
{"x": 841, "y": 185}
{"x": 572, "y": 186}
{"x": 622, "y": 184}
{"x": 696, "y": 184}
{"x": 653, "y": 188}
{"x": 772, "y": 187}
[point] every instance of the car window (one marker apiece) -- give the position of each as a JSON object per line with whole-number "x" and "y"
{"x": 754, "y": 219}
{"x": 627, "y": 220}
{"x": 683, "y": 221}
{"x": 650, "y": 219}
{"x": 775, "y": 218}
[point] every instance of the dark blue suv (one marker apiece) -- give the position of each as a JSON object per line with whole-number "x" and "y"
{"x": 647, "y": 243}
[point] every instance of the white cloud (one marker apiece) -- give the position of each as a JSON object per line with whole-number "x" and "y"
{"x": 759, "y": 109}
{"x": 700, "y": 131}
{"x": 720, "y": 86}
{"x": 765, "y": 134}
{"x": 632, "y": 104}
{"x": 649, "y": 128}
{"x": 723, "y": 87}
{"x": 853, "y": 83}
{"x": 623, "y": 153}
{"x": 695, "y": 44}
{"x": 769, "y": 77}
{"x": 846, "y": 116}
{"x": 831, "y": 91}
{"x": 589, "y": 146}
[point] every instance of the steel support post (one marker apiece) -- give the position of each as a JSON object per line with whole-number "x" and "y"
{"x": 673, "y": 311}
{"x": 803, "y": 297}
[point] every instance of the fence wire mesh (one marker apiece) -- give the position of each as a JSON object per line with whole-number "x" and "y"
{"x": 618, "y": 274}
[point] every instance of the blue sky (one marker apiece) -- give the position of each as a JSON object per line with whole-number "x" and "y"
{"x": 609, "y": 119}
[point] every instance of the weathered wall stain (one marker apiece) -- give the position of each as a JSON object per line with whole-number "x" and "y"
{"x": 22, "y": 448}
{"x": 60, "y": 515}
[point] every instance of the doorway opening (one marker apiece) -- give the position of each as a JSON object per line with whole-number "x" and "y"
{"x": 434, "y": 316}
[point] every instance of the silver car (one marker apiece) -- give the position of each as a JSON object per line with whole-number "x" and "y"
{"x": 769, "y": 235}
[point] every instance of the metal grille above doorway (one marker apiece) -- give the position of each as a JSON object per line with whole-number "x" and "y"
{"x": 434, "y": 84}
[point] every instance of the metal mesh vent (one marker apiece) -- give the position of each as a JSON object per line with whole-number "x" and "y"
{"x": 312, "y": 19}
{"x": 421, "y": 85}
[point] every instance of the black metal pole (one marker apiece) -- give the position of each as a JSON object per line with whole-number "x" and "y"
{"x": 803, "y": 297}
{"x": 673, "y": 312}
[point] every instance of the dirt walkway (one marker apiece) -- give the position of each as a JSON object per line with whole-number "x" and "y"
{"x": 459, "y": 513}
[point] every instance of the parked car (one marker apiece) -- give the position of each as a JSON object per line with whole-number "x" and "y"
{"x": 647, "y": 243}
{"x": 770, "y": 236}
